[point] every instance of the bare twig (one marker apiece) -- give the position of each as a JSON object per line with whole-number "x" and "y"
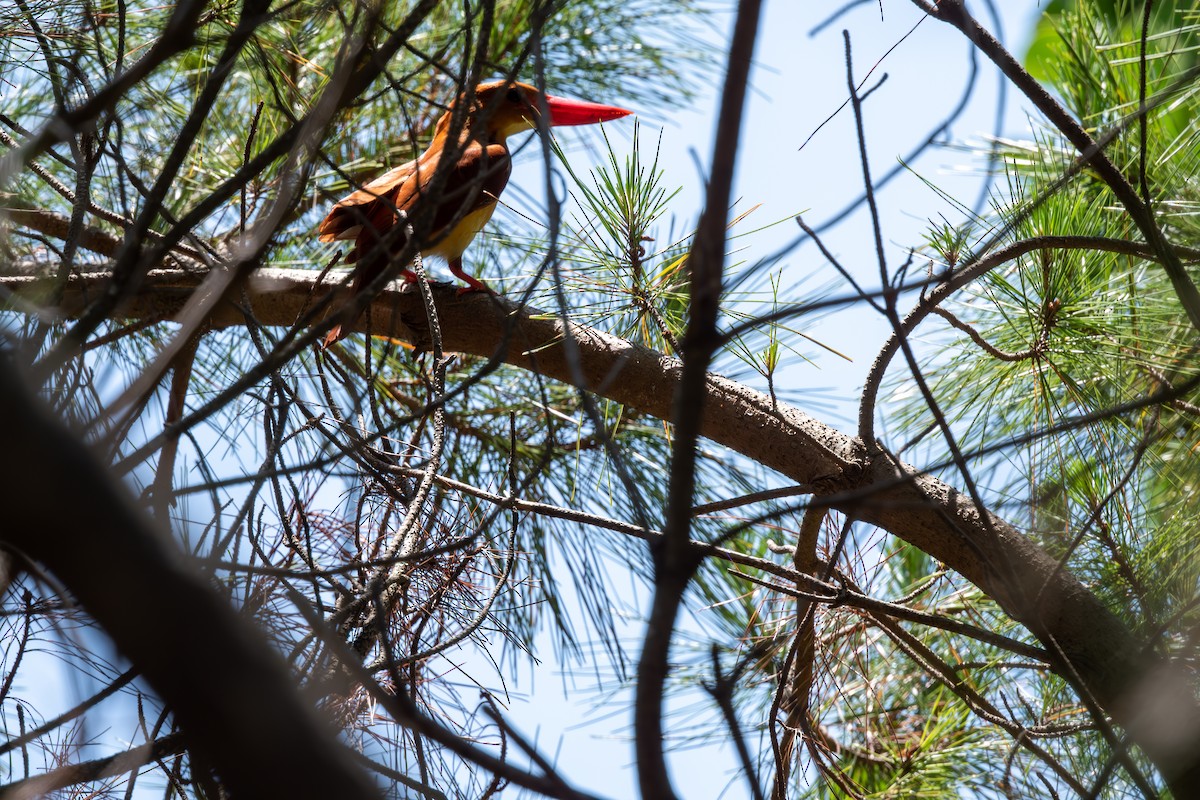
{"x": 674, "y": 565}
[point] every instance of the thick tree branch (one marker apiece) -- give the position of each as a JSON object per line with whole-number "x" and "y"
{"x": 1149, "y": 696}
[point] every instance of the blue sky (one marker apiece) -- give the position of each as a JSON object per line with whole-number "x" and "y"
{"x": 798, "y": 82}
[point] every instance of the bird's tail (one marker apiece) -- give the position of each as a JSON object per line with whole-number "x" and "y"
{"x": 369, "y": 263}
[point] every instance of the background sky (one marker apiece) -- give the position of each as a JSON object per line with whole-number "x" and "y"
{"x": 799, "y": 81}
{"x": 582, "y": 721}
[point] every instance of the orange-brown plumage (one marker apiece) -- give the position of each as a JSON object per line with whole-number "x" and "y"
{"x": 470, "y": 190}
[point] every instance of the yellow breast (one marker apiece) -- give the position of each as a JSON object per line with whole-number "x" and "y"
{"x": 452, "y": 244}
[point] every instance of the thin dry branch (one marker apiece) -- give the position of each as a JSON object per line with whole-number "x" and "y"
{"x": 674, "y": 562}
{"x": 96, "y": 770}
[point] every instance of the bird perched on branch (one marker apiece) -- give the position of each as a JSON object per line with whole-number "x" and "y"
{"x": 468, "y": 193}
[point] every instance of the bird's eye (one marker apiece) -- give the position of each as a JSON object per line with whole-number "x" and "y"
{"x": 513, "y": 96}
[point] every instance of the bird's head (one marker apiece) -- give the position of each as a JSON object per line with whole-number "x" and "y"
{"x": 509, "y": 107}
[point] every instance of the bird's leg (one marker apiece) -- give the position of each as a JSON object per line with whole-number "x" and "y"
{"x": 473, "y": 284}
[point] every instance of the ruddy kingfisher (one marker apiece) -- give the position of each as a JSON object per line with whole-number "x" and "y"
{"x": 468, "y": 196}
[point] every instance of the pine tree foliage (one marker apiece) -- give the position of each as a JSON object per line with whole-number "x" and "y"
{"x": 305, "y": 488}
{"x": 1068, "y": 374}
{"x": 413, "y": 520}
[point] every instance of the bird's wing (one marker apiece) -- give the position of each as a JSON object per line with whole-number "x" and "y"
{"x": 475, "y": 182}
{"x": 348, "y": 215}
{"x": 477, "y": 179}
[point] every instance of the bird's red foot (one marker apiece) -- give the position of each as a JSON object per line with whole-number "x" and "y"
{"x": 472, "y": 284}
{"x": 475, "y": 286}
